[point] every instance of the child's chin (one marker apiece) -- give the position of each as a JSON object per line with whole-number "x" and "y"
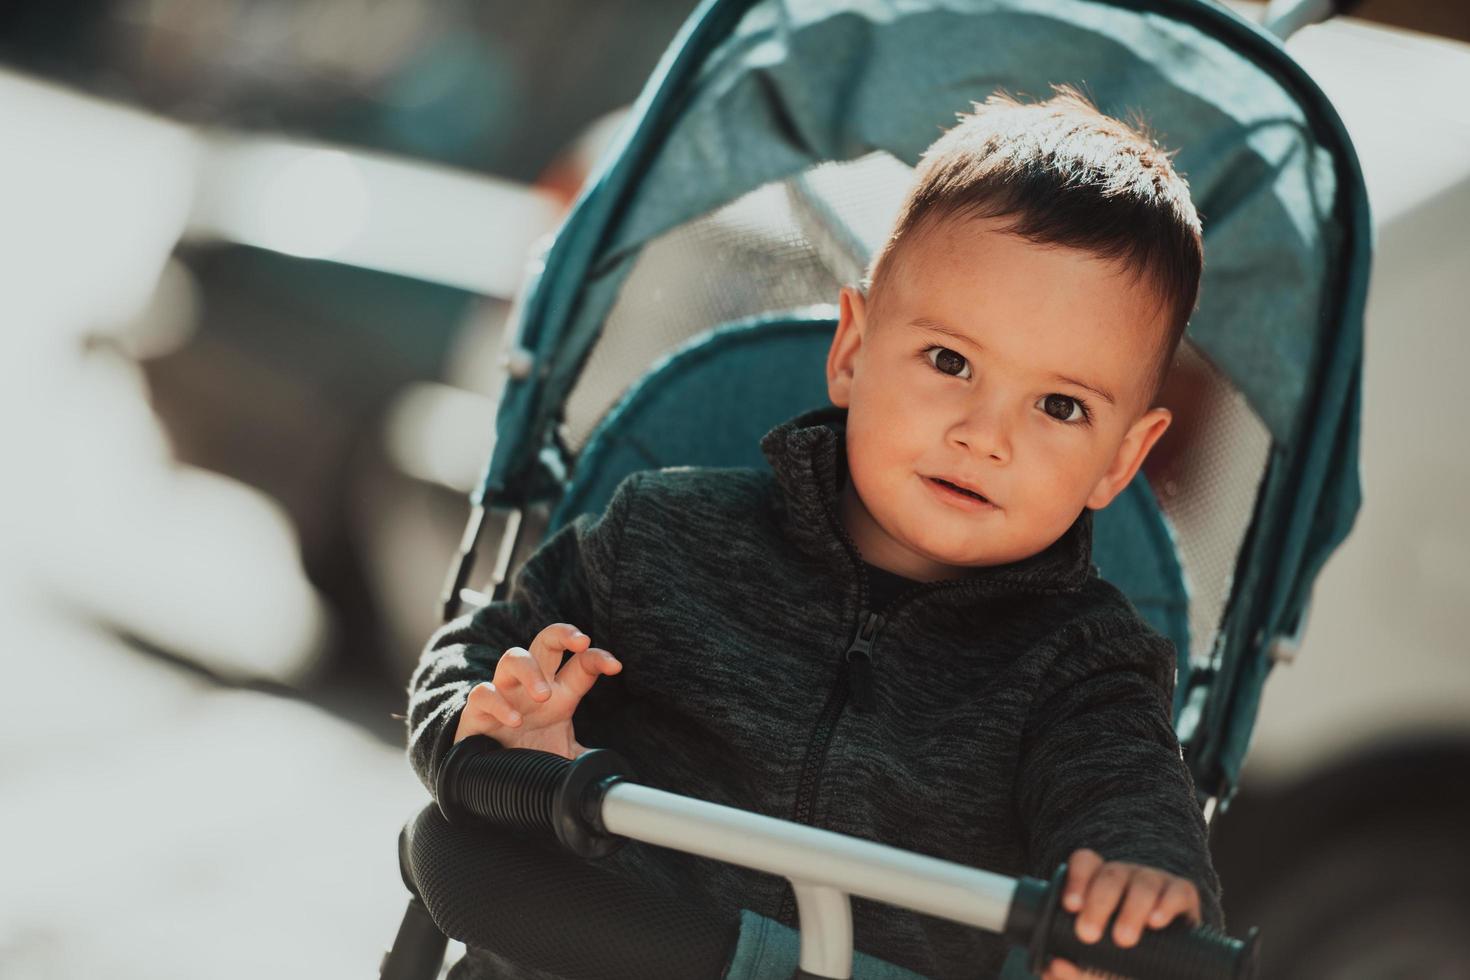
{"x": 944, "y": 553}
{"x": 973, "y": 554}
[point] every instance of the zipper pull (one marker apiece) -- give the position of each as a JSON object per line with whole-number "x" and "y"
{"x": 859, "y": 659}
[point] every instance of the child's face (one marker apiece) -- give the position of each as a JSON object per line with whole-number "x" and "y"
{"x": 975, "y": 366}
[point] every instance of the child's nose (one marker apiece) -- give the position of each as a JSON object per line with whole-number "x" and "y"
{"x": 984, "y": 430}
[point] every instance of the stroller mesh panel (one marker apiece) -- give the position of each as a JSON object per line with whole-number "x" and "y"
{"x": 785, "y": 246}
{"x": 790, "y": 245}
{"x": 745, "y": 259}
{"x": 1205, "y": 472}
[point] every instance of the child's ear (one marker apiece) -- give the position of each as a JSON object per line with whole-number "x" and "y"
{"x": 1130, "y": 456}
{"x": 846, "y": 342}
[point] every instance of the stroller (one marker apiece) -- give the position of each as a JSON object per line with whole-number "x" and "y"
{"x": 773, "y": 145}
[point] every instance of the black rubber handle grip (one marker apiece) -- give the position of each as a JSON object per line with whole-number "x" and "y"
{"x": 533, "y": 791}
{"x": 1177, "y": 951}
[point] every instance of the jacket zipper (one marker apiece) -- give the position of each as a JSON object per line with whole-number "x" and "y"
{"x": 854, "y": 678}
{"x": 859, "y": 660}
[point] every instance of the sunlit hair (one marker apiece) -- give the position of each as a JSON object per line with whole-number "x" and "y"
{"x": 1066, "y": 175}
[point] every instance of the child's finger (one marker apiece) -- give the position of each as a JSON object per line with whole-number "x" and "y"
{"x": 518, "y": 675}
{"x": 485, "y": 711}
{"x": 1081, "y": 866}
{"x": 548, "y": 645}
{"x": 1180, "y": 895}
{"x": 1102, "y": 898}
{"x": 1144, "y": 889}
{"x": 1060, "y": 969}
{"x": 582, "y": 671}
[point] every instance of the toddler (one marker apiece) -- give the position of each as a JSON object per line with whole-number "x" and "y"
{"x": 897, "y": 631}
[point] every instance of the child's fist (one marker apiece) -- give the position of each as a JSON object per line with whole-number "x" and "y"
{"x": 530, "y": 701}
{"x": 1143, "y": 897}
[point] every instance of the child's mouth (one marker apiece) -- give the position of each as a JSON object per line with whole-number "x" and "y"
{"x": 951, "y": 488}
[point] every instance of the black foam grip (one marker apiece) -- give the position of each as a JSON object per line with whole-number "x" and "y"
{"x": 526, "y": 789}
{"x": 530, "y": 902}
{"x": 1177, "y": 950}
{"x": 512, "y": 789}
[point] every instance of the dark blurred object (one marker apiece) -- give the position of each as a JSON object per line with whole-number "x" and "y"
{"x": 1448, "y": 18}
{"x": 495, "y": 86}
{"x": 286, "y": 382}
{"x": 1362, "y": 872}
{"x": 57, "y": 38}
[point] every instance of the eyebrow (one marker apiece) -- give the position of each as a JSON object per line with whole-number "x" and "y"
{"x": 1099, "y": 392}
{"x": 938, "y": 327}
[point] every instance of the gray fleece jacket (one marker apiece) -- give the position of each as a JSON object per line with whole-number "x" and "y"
{"x": 1001, "y": 720}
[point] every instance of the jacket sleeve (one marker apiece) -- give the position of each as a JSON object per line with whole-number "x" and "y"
{"x": 569, "y": 579}
{"x": 1101, "y": 767}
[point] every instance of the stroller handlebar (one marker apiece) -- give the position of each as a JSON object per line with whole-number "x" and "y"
{"x": 543, "y": 793}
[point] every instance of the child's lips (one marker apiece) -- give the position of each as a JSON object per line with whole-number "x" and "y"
{"x": 960, "y": 494}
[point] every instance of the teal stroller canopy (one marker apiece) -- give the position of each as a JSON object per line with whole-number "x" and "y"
{"x": 760, "y": 169}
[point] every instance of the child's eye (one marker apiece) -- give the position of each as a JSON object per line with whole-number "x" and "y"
{"x": 948, "y": 362}
{"x": 1064, "y": 408}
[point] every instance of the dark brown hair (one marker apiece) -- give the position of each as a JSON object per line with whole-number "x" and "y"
{"x": 1070, "y": 176}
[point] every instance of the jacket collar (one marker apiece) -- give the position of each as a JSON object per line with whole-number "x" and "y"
{"x": 808, "y": 455}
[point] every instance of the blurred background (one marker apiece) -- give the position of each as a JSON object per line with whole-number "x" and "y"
{"x": 257, "y": 255}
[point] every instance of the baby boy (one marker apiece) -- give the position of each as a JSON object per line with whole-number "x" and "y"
{"x": 897, "y": 632}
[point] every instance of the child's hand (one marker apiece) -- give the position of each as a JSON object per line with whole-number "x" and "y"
{"x": 1095, "y": 888}
{"x": 529, "y": 704}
